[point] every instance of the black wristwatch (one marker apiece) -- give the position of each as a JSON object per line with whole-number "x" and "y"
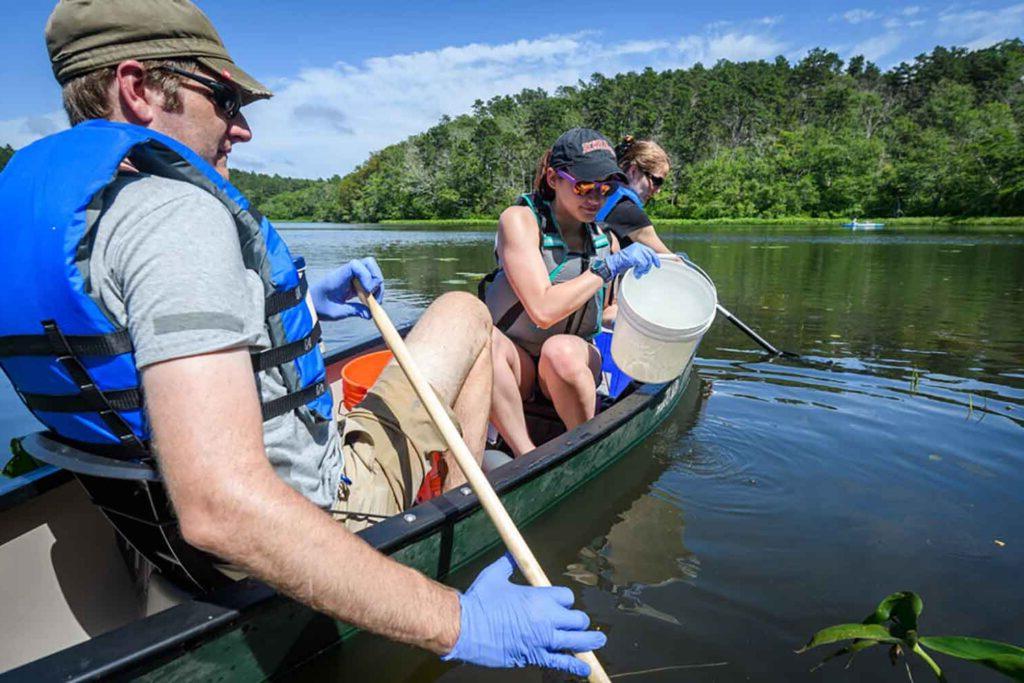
{"x": 599, "y": 268}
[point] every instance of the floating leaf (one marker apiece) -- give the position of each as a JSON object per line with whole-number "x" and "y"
{"x": 1003, "y": 657}
{"x": 902, "y": 608}
{"x": 840, "y": 632}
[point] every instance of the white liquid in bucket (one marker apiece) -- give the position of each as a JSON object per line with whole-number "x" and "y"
{"x": 662, "y": 317}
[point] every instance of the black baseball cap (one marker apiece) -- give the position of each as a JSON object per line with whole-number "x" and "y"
{"x": 585, "y": 154}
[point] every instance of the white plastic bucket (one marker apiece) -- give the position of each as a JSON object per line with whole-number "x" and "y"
{"x": 662, "y": 317}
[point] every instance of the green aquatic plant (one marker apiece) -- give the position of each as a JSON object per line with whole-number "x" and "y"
{"x": 894, "y": 623}
{"x": 20, "y": 463}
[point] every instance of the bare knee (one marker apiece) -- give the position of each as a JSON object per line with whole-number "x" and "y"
{"x": 564, "y": 357}
{"x": 466, "y": 305}
{"x": 462, "y": 313}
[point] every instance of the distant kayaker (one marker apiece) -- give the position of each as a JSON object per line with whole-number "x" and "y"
{"x": 546, "y": 296}
{"x": 159, "y": 316}
{"x": 645, "y": 166}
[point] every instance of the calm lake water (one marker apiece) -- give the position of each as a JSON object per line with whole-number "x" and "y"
{"x": 783, "y": 496}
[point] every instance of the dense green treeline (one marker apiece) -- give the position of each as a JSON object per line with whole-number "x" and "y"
{"x": 294, "y": 198}
{"x": 6, "y": 152}
{"x": 941, "y": 136}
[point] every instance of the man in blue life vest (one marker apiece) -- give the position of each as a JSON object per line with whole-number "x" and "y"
{"x": 138, "y": 271}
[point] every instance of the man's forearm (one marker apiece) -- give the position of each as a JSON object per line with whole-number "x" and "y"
{"x": 301, "y": 551}
{"x": 209, "y": 441}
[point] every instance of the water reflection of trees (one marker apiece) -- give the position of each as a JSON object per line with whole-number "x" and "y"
{"x": 946, "y": 305}
{"x": 636, "y": 529}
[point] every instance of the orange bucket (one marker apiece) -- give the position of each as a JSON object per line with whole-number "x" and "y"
{"x": 359, "y": 374}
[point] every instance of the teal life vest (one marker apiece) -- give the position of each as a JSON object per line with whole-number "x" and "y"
{"x": 622, "y": 192}
{"x": 71, "y": 363}
{"x": 508, "y": 313}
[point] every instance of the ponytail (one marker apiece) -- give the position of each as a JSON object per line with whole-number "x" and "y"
{"x": 646, "y": 155}
{"x": 622, "y": 149}
{"x": 540, "y": 179}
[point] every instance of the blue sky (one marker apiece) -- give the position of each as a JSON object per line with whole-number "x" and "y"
{"x": 351, "y": 78}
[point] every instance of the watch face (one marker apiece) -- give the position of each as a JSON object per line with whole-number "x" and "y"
{"x": 600, "y": 268}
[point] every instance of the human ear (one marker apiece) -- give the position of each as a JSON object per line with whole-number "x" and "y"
{"x": 552, "y": 177}
{"x": 138, "y": 105}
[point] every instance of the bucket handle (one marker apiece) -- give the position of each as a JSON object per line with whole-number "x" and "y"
{"x": 686, "y": 259}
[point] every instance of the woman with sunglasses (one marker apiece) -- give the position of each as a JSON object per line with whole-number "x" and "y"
{"x": 645, "y": 165}
{"x": 547, "y": 294}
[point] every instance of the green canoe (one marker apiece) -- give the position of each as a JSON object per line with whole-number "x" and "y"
{"x": 245, "y": 631}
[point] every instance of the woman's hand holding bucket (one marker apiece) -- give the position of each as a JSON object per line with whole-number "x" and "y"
{"x": 638, "y": 256}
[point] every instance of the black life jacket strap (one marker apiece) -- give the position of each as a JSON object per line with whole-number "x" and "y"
{"x": 290, "y": 402}
{"x": 110, "y": 344}
{"x": 285, "y": 299}
{"x": 92, "y": 398}
{"x": 282, "y": 354}
{"x": 481, "y": 287}
{"x": 125, "y": 399}
{"x": 511, "y": 315}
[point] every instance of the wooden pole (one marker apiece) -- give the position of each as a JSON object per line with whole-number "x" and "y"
{"x": 507, "y": 529}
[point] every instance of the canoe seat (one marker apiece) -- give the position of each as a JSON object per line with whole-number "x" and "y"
{"x": 132, "y": 497}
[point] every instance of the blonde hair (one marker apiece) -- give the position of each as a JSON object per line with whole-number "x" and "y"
{"x": 87, "y": 96}
{"x": 646, "y": 155}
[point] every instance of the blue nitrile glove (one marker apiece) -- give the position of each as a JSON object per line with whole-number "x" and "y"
{"x": 332, "y": 292}
{"x": 504, "y": 624}
{"x": 638, "y": 256}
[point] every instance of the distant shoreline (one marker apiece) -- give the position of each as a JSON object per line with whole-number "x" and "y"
{"x": 1012, "y": 223}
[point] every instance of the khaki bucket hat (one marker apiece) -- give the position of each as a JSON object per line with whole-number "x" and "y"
{"x": 86, "y": 35}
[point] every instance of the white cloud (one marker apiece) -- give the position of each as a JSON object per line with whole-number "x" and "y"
{"x": 636, "y": 47}
{"x": 910, "y": 11}
{"x": 21, "y": 131}
{"x": 732, "y": 46}
{"x": 877, "y": 47}
{"x": 769, "y": 21}
{"x": 975, "y": 29}
{"x": 856, "y": 16}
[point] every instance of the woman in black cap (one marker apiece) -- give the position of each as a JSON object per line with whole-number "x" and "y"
{"x": 547, "y": 294}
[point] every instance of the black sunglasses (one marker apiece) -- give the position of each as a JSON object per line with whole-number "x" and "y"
{"x": 227, "y": 99}
{"x": 656, "y": 181}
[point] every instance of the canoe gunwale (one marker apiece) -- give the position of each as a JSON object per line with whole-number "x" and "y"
{"x": 395, "y": 532}
{"x": 163, "y": 636}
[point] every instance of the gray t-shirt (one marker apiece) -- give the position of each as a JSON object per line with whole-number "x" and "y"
{"x": 168, "y": 253}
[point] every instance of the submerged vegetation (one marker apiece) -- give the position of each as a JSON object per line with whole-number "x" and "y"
{"x": 942, "y": 136}
{"x": 894, "y": 623}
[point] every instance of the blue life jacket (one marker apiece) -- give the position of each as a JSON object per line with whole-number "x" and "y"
{"x": 71, "y": 363}
{"x": 623, "y": 192}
